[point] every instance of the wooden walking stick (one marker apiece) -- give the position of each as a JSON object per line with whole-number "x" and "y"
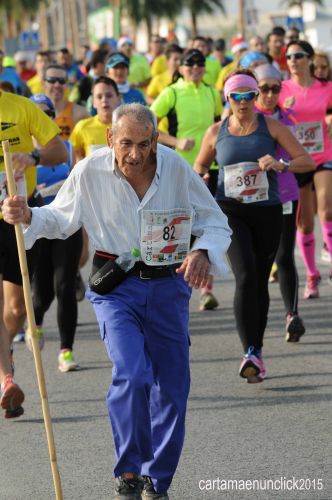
{"x": 32, "y": 328}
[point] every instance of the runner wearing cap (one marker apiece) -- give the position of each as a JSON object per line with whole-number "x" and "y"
{"x": 117, "y": 68}
{"x": 244, "y": 145}
{"x": 139, "y": 69}
{"x": 190, "y": 105}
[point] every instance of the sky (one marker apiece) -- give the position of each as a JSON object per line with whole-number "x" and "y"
{"x": 265, "y": 6}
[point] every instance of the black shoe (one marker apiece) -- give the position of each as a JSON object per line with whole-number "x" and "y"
{"x": 128, "y": 486}
{"x": 149, "y": 493}
{"x": 294, "y": 328}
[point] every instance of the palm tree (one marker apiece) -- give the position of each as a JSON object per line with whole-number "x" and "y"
{"x": 199, "y": 6}
{"x": 144, "y": 10}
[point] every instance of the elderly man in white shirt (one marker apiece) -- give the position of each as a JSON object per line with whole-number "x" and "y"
{"x": 137, "y": 194}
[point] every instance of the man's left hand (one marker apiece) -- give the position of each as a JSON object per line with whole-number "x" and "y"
{"x": 196, "y": 268}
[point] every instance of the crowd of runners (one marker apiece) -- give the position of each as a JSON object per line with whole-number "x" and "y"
{"x": 253, "y": 118}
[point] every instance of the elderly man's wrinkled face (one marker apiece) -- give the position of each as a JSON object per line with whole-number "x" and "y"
{"x": 133, "y": 142}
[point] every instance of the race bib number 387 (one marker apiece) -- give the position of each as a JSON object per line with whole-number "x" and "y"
{"x": 246, "y": 182}
{"x": 165, "y": 236}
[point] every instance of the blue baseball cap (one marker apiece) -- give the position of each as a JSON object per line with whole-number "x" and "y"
{"x": 252, "y": 58}
{"x": 42, "y": 99}
{"x": 115, "y": 59}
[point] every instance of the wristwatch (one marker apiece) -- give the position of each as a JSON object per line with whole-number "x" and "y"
{"x": 35, "y": 156}
{"x": 285, "y": 163}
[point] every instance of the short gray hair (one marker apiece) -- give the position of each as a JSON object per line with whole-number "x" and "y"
{"x": 138, "y": 112}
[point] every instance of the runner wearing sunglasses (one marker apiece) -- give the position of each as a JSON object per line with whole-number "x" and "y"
{"x": 55, "y": 88}
{"x": 269, "y": 84}
{"x": 310, "y": 100}
{"x": 244, "y": 145}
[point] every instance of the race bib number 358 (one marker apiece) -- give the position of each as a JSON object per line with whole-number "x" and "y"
{"x": 165, "y": 236}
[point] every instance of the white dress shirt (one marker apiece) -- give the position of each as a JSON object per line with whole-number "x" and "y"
{"x": 98, "y": 196}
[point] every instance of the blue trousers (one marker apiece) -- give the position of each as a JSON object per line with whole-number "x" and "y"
{"x": 144, "y": 325}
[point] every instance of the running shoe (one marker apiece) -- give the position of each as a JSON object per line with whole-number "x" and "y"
{"x": 40, "y": 337}
{"x": 66, "y": 361}
{"x": 12, "y": 398}
{"x": 252, "y": 367}
{"x": 128, "y": 486}
{"x": 20, "y": 336}
{"x": 294, "y": 328}
{"x": 311, "y": 288}
{"x": 325, "y": 254}
{"x": 274, "y": 277}
{"x": 207, "y": 302}
{"x": 80, "y": 287}
{"x": 149, "y": 493}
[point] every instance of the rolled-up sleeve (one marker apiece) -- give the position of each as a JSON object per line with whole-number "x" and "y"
{"x": 60, "y": 219}
{"x": 210, "y": 226}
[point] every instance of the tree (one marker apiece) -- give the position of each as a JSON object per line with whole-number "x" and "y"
{"x": 17, "y": 13}
{"x": 144, "y": 10}
{"x": 199, "y": 6}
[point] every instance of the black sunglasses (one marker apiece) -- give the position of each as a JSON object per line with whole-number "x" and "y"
{"x": 201, "y": 64}
{"x": 265, "y": 89}
{"x": 296, "y": 55}
{"x": 55, "y": 79}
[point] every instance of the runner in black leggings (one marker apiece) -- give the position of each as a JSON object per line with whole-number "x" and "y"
{"x": 245, "y": 148}
{"x": 55, "y": 274}
{"x": 269, "y": 82}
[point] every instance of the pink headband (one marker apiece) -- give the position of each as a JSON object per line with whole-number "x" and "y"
{"x": 237, "y": 81}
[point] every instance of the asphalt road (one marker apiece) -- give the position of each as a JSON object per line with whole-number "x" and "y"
{"x": 279, "y": 430}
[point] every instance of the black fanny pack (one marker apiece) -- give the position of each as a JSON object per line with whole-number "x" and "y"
{"x": 106, "y": 274}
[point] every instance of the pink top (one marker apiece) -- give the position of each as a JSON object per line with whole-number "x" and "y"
{"x": 311, "y": 104}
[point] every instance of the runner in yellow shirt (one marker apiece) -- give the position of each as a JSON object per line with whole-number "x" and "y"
{"x": 20, "y": 119}
{"x": 159, "y": 82}
{"x": 90, "y": 134}
{"x": 35, "y": 84}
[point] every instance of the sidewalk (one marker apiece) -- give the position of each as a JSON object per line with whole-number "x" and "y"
{"x": 235, "y": 431}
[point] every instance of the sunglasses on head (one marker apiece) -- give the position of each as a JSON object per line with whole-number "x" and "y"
{"x": 265, "y": 89}
{"x": 243, "y": 96}
{"x": 296, "y": 55}
{"x": 55, "y": 79}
